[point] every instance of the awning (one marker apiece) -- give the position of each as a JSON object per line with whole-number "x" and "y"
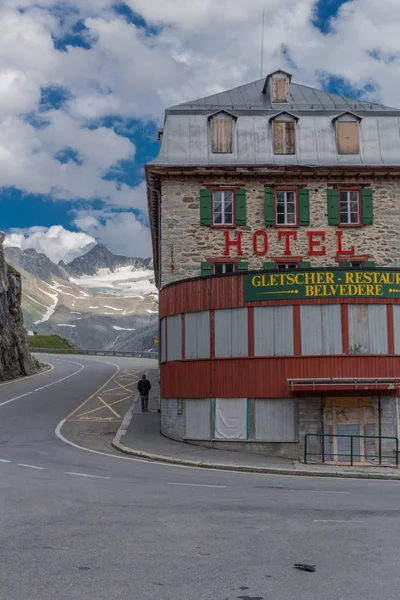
{"x": 343, "y": 383}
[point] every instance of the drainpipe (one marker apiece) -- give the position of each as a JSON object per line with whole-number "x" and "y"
{"x": 152, "y": 189}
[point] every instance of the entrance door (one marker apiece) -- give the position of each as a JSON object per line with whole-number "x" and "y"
{"x": 343, "y": 417}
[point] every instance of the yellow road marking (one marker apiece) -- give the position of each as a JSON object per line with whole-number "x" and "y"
{"x": 109, "y": 407}
{"x": 112, "y": 390}
{"x": 92, "y": 396}
{"x": 124, "y": 387}
{"x": 102, "y": 407}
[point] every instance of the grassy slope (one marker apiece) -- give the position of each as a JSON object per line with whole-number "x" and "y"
{"x": 49, "y": 341}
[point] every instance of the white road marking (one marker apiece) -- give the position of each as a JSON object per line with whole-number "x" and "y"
{"x": 335, "y": 521}
{"x": 199, "y": 485}
{"x": 85, "y": 475}
{"x": 48, "y": 385}
{"x": 322, "y": 492}
{"x": 19, "y": 379}
{"x": 2, "y": 460}
{"x": 30, "y": 466}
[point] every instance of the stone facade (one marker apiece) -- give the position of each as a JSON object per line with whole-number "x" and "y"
{"x": 185, "y": 243}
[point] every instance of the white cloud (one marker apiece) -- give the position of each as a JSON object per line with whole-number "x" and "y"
{"x": 200, "y": 47}
{"x": 121, "y": 232}
{"x": 56, "y": 242}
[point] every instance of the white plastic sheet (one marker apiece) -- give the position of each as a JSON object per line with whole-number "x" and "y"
{"x": 231, "y": 419}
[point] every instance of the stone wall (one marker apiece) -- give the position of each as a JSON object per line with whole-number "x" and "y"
{"x": 15, "y": 358}
{"x": 185, "y": 243}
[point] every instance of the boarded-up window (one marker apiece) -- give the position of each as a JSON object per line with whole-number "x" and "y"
{"x": 368, "y": 332}
{"x": 198, "y": 419}
{"x": 284, "y": 137}
{"x": 280, "y": 89}
{"x": 231, "y": 332}
{"x": 197, "y": 335}
{"x": 275, "y": 420}
{"x": 174, "y": 337}
{"x": 347, "y": 138}
{"x": 321, "y": 329}
{"x": 222, "y": 135}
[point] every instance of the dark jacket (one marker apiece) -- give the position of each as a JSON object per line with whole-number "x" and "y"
{"x": 144, "y": 386}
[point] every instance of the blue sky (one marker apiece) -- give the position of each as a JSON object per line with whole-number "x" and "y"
{"x": 86, "y": 85}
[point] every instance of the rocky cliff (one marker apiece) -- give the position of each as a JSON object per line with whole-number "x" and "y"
{"x": 15, "y": 358}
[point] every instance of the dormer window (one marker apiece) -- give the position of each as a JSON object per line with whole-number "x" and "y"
{"x": 222, "y": 125}
{"x": 277, "y": 84}
{"x": 347, "y": 133}
{"x": 284, "y": 132}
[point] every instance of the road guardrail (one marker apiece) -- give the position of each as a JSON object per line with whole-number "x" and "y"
{"x": 132, "y": 354}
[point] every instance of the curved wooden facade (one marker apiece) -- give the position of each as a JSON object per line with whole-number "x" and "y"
{"x": 355, "y": 338}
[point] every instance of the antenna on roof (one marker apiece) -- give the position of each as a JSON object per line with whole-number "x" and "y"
{"x": 262, "y": 43}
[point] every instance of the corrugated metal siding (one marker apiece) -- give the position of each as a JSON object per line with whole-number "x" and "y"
{"x": 163, "y": 340}
{"x": 368, "y": 329}
{"x": 174, "y": 337}
{"x": 321, "y": 329}
{"x": 197, "y": 335}
{"x": 396, "y": 323}
{"x": 198, "y": 419}
{"x": 231, "y": 332}
{"x": 273, "y": 331}
{"x": 265, "y": 377}
{"x": 275, "y": 420}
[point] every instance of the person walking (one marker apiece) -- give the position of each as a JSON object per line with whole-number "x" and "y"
{"x": 144, "y": 386}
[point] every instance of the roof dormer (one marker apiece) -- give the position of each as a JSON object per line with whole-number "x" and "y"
{"x": 276, "y": 86}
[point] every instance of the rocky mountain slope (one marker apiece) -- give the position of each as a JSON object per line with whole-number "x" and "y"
{"x": 99, "y": 301}
{"x": 15, "y": 359}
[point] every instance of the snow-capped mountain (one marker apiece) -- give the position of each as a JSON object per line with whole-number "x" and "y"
{"x": 98, "y": 301}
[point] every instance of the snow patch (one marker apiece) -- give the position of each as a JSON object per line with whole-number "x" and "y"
{"x": 50, "y": 309}
{"x": 122, "y": 328}
{"x": 123, "y": 281}
{"x": 113, "y": 308}
{"x": 94, "y": 306}
{"x": 65, "y": 325}
{"x": 152, "y": 312}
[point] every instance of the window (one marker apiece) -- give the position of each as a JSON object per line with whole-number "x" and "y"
{"x": 281, "y": 266}
{"x": 223, "y": 208}
{"x": 356, "y": 263}
{"x": 349, "y": 211}
{"x": 284, "y": 137}
{"x": 223, "y": 268}
{"x": 286, "y": 207}
{"x": 222, "y": 133}
{"x": 347, "y": 137}
{"x": 280, "y": 89}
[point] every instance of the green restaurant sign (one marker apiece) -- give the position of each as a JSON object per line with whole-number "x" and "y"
{"x": 294, "y": 285}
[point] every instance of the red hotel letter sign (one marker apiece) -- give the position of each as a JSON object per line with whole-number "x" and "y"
{"x": 237, "y": 242}
{"x": 340, "y": 250}
{"x": 313, "y": 244}
{"x": 287, "y": 235}
{"x": 264, "y": 237}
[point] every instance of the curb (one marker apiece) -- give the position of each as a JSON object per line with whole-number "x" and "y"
{"x": 116, "y": 442}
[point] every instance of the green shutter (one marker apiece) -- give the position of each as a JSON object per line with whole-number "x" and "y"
{"x": 206, "y": 269}
{"x": 305, "y": 264}
{"x": 268, "y": 266}
{"x": 242, "y": 266}
{"x": 370, "y": 263}
{"x": 333, "y": 207}
{"x": 205, "y": 207}
{"x": 367, "y": 207}
{"x": 269, "y": 212}
{"x": 241, "y": 207}
{"x": 345, "y": 263}
{"x": 304, "y": 207}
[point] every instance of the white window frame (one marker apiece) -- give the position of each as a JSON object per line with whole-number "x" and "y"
{"x": 348, "y": 206}
{"x": 224, "y": 221}
{"x": 285, "y": 213}
{"x": 281, "y": 266}
{"x": 224, "y": 267}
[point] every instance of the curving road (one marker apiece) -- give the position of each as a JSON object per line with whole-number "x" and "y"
{"x": 92, "y": 524}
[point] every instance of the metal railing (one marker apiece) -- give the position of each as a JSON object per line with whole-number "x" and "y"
{"x": 132, "y": 354}
{"x": 354, "y": 451}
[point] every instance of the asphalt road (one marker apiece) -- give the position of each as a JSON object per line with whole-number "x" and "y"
{"x": 87, "y": 525}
